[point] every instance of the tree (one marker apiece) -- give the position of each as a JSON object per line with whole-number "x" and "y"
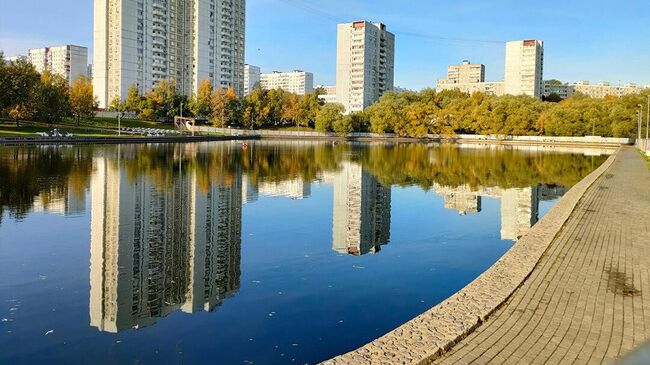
{"x": 307, "y": 109}
{"x": 82, "y": 100}
{"x": 291, "y": 108}
{"x": 19, "y": 90}
{"x": 256, "y": 108}
{"x": 53, "y": 98}
{"x": 387, "y": 113}
{"x": 328, "y": 115}
{"x": 344, "y": 125}
{"x": 200, "y": 105}
{"x": 134, "y": 101}
{"x": 223, "y": 104}
{"x": 552, "y": 98}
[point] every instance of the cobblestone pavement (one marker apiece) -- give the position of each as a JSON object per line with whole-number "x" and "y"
{"x": 588, "y": 300}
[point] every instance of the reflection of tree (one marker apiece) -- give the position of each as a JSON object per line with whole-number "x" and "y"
{"x": 28, "y": 172}
{"x": 451, "y": 166}
{"x": 46, "y": 172}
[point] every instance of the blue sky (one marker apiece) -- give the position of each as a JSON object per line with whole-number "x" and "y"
{"x": 584, "y": 39}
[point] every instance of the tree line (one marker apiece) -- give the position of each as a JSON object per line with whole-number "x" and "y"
{"x": 414, "y": 114}
{"x": 26, "y": 94}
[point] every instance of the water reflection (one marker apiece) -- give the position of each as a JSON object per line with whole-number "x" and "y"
{"x": 166, "y": 220}
{"x": 361, "y": 210}
{"x": 156, "y": 250}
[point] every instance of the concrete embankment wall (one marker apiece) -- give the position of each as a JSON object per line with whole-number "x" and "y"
{"x": 15, "y": 141}
{"x": 589, "y": 140}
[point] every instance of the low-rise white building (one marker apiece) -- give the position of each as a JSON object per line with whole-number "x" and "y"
{"x": 17, "y": 58}
{"x": 297, "y": 82}
{"x": 603, "y": 89}
{"x": 68, "y": 61}
{"x": 558, "y": 88}
{"x": 329, "y": 96}
{"x": 489, "y": 88}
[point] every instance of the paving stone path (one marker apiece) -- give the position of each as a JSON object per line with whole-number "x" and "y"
{"x": 588, "y": 300}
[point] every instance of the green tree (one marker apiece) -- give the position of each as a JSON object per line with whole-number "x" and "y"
{"x": 20, "y": 90}
{"x": 256, "y": 109}
{"x": 327, "y": 116}
{"x": 387, "y": 113}
{"x": 53, "y": 98}
{"x": 82, "y": 100}
{"x": 134, "y": 101}
{"x": 344, "y": 125}
{"x": 307, "y": 109}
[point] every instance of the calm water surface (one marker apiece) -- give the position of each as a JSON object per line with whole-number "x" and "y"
{"x": 266, "y": 253}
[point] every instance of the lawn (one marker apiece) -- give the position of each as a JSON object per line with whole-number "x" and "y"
{"x": 111, "y": 123}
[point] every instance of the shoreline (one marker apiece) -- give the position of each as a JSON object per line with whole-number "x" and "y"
{"x": 429, "y": 335}
{"x": 473, "y": 141}
{"x": 20, "y": 141}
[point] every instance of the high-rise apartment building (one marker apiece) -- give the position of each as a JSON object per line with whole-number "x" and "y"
{"x": 68, "y": 61}
{"x": 297, "y": 82}
{"x": 252, "y": 76}
{"x": 524, "y": 68}
{"x": 141, "y": 42}
{"x": 466, "y": 73}
{"x": 365, "y": 64}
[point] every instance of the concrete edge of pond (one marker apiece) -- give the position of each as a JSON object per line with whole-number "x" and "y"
{"x": 430, "y": 334}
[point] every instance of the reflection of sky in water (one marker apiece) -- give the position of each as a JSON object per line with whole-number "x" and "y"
{"x": 288, "y": 276}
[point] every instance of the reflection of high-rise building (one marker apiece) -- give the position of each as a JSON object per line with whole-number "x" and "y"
{"x": 249, "y": 192}
{"x": 361, "y": 211}
{"x": 155, "y": 250}
{"x": 519, "y": 211}
{"x": 519, "y": 206}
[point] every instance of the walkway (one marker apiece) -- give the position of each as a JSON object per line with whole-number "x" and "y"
{"x": 588, "y": 300}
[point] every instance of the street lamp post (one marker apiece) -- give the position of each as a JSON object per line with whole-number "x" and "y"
{"x": 647, "y": 121}
{"x": 640, "y": 120}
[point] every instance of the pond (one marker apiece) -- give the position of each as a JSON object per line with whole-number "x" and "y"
{"x": 250, "y": 252}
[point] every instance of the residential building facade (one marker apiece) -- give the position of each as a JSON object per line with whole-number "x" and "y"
{"x": 329, "y": 96}
{"x": 524, "y": 69}
{"x": 142, "y": 42}
{"x": 17, "y": 58}
{"x": 488, "y": 87}
{"x": 297, "y": 81}
{"x": 68, "y": 61}
{"x": 365, "y": 64}
{"x": 558, "y": 88}
{"x": 252, "y": 76}
{"x": 603, "y": 89}
{"x": 466, "y": 73}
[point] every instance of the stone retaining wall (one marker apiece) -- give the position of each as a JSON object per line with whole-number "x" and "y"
{"x": 427, "y": 336}
{"x": 462, "y": 138}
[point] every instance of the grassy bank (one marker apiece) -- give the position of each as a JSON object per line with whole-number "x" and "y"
{"x": 10, "y": 130}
